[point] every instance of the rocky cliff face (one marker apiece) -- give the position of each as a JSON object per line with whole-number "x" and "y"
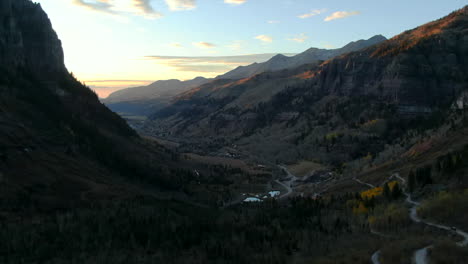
{"x": 28, "y": 41}
{"x": 421, "y": 67}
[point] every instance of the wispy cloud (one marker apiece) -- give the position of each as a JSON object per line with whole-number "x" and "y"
{"x": 144, "y": 8}
{"x": 235, "y": 2}
{"x": 135, "y": 7}
{"x": 312, "y": 13}
{"x": 210, "y": 64}
{"x": 96, "y": 5}
{"x": 179, "y": 5}
{"x": 273, "y": 22}
{"x": 300, "y": 38}
{"x": 204, "y": 45}
{"x": 176, "y": 45}
{"x": 341, "y": 14}
{"x": 264, "y": 38}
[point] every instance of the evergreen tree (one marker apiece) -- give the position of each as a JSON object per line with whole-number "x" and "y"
{"x": 411, "y": 181}
{"x": 386, "y": 192}
{"x": 396, "y": 191}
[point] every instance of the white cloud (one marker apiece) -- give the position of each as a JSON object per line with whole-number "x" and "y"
{"x": 312, "y": 13}
{"x": 204, "y": 45}
{"x": 264, "y": 38}
{"x": 300, "y": 38}
{"x": 178, "y": 5}
{"x": 273, "y": 22}
{"x": 341, "y": 14}
{"x": 235, "y": 2}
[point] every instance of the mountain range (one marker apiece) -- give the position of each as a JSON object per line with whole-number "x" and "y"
{"x": 321, "y": 111}
{"x": 281, "y": 62}
{"x": 148, "y": 99}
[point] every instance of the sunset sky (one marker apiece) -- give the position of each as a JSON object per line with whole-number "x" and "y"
{"x": 114, "y": 44}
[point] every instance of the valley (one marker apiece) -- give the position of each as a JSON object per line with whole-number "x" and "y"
{"x": 342, "y": 155}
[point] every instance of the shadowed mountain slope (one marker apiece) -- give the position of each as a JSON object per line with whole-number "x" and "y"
{"x": 59, "y": 146}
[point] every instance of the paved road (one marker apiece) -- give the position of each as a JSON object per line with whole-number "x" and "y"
{"x": 375, "y": 257}
{"x": 363, "y": 183}
{"x": 420, "y": 255}
{"x": 287, "y": 184}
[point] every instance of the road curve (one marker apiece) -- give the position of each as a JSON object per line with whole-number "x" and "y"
{"x": 420, "y": 255}
{"x": 375, "y": 257}
{"x": 287, "y": 184}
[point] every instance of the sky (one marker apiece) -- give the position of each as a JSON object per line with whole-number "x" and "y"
{"x": 115, "y": 44}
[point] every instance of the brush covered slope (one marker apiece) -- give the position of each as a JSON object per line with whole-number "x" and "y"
{"x": 59, "y": 146}
{"x": 343, "y": 109}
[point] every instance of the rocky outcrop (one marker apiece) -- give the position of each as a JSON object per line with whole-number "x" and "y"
{"x": 28, "y": 41}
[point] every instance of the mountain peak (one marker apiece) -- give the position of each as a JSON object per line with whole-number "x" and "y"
{"x": 378, "y": 37}
{"x": 279, "y": 57}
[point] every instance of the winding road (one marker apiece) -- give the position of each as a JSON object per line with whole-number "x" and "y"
{"x": 421, "y": 255}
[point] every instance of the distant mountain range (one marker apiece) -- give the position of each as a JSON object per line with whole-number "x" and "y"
{"x": 281, "y": 62}
{"x": 146, "y": 100}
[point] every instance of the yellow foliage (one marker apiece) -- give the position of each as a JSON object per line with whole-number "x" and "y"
{"x": 392, "y": 184}
{"x": 377, "y": 191}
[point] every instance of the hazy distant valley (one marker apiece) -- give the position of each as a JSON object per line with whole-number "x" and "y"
{"x": 350, "y": 155}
